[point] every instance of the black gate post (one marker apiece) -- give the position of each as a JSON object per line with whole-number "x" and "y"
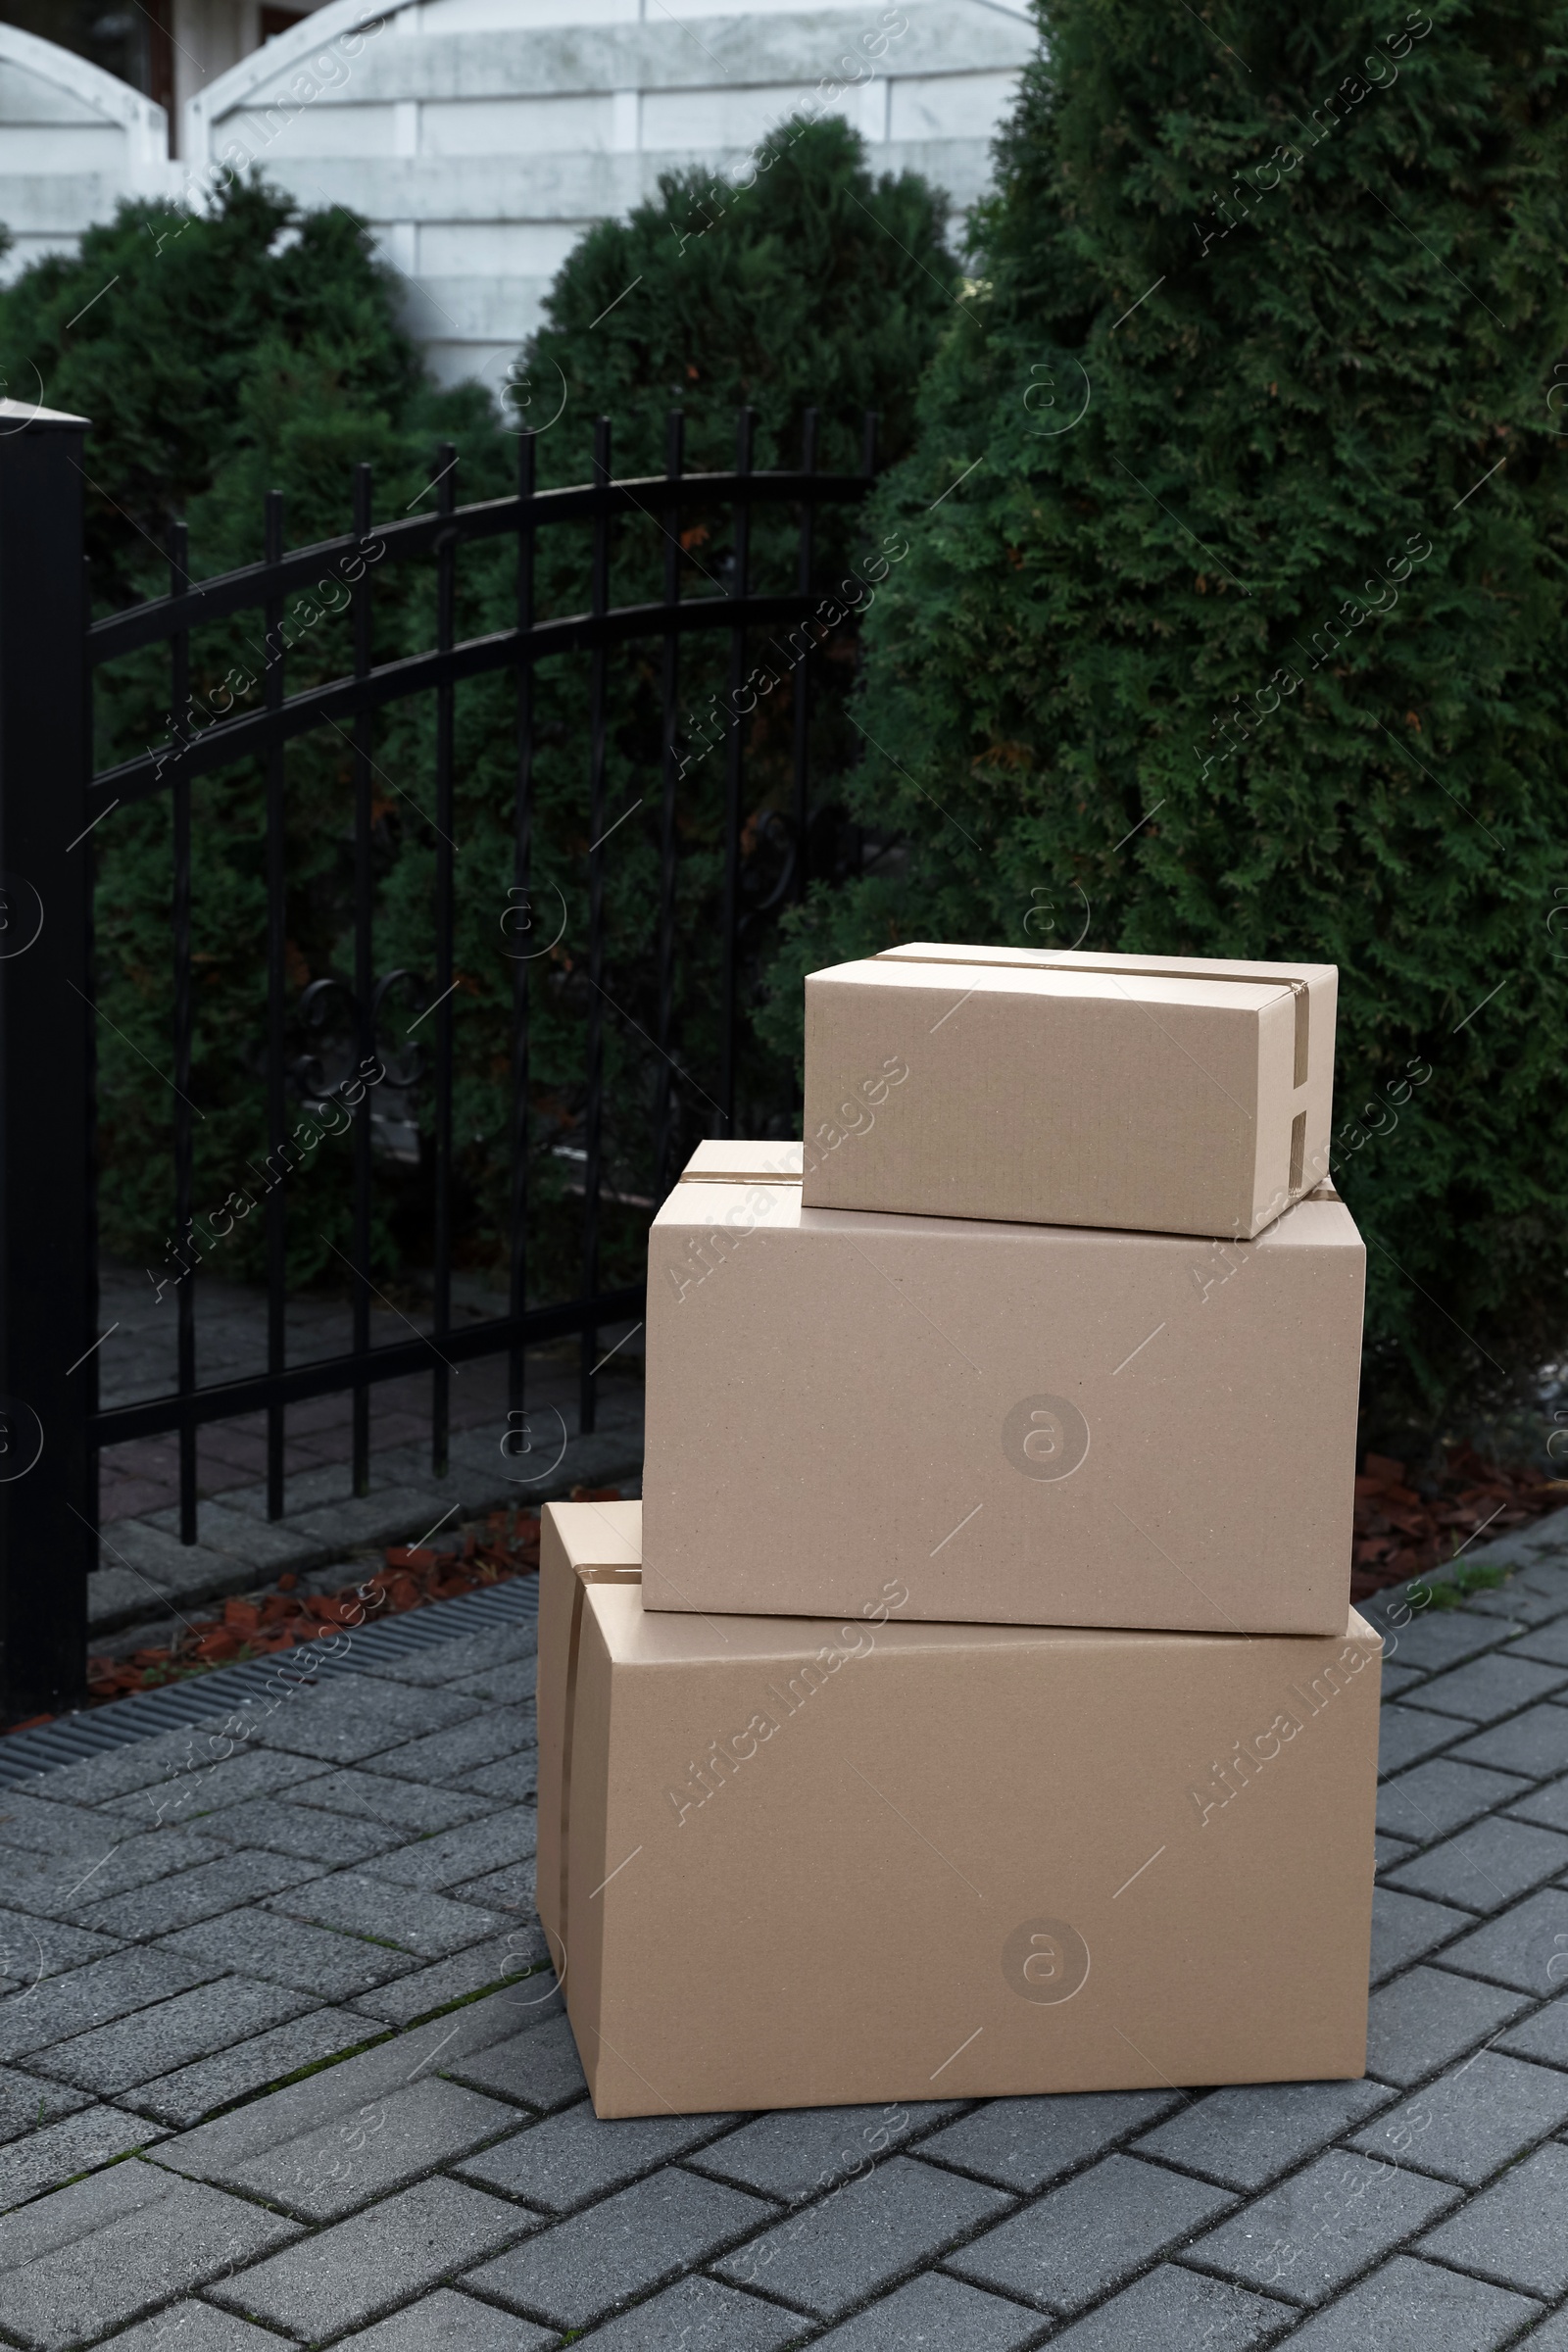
{"x": 48, "y": 1280}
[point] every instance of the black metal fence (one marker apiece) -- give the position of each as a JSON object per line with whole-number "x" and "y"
{"x": 53, "y": 809}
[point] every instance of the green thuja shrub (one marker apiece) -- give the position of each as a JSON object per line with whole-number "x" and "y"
{"x": 1233, "y": 618}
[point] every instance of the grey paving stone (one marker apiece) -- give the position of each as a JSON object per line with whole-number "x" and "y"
{"x": 53, "y": 1828}
{"x": 196, "y": 2328}
{"x": 474, "y": 1654}
{"x": 1437, "y": 1639}
{"x": 797, "y": 2151}
{"x": 120, "y": 1770}
{"x": 514, "y": 1776}
{"x": 26, "y": 2104}
{"x": 357, "y": 2269}
{"x": 1173, "y": 2310}
{"x": 462, "y": 1854}
{"x": 73, "y": 2212}
{"x": 933, "y": 2314}
{"x": 1245, "y": 2137}
{"x": 577, "y": 2271}
{"x": 212, "y": 1887}
{"x": 572, "y": 2157}
{"x": 1024, "y": 2143}
{"x": 1405, "y": 1928}
{"x": 1470, "y": 2123}
{"x": 1408, "y": 2303}
{"x": 492, "y": 1732}
{"x": 1523, "y": 1949}
{"x": 1543, "y": 2035}
{"x": 183, "y": 2098}
{"x": 538, "y": 2067}
{"x": 1550, "y": 2336}
{"x": 1397, "y": 1679}
{"x": 1434, "y": 1800}
{"x": 276, "y": 1826}
{"x": 208, "y": 1787}
{"x": 1531, "y": 1598}
{"x": 62, "y": 2006}
{"x": 344, "y": 2163}
{"x": 183, "y": 2235}
{"x": 1490, "y": 1686}
{"x": 255, "y": 1943}
{"x": 1486, "y": 1866}
{"x": 405, "y": 1917}
{"x": 1389, "y": 1852}
{"x": 699, "y": 2315}
{"x": 80, "y": 2144}
{"x": 445, "y": 2322}
{"x": 509, "y": 1685}
{"x": 154, "y": 2041}
{"x": 1547, "y": 1644}
{"x": 1513, "y": 2233}
{"x": 1082, "y": 2239}
{"x": 1547, "y": 1806}
{"x": 1425, "y": 2020}
{"x": 508, "y": 1889}
{"x": 34, "y": 1948}
{"x": 1407, "y": 1734}
{"x": 403, "y": 1804}
{"x": 1313, "y": 2233}
{"x": 1534, "y": 1745}
{"x": 69, "y": 1887}
{"x": 348, "y": 1719}
{"x": 510, "y": 1961}
{"x": 347, "y": 2095}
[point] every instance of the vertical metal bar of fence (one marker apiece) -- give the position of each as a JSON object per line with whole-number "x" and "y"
{"x": 733, "y": 764}
{"x": 276, "y": 983}
{"x": 445, "y": 722}
{"x": 185, "y": 1218}
{"x": 522, "y": 868}
{"x": 805, "y": 561}
{"x": 663, "y": 1101}
{"x": 363, "y": 981}
{"x": 593, "y": 1115}
{"x": 47, "y": 1539}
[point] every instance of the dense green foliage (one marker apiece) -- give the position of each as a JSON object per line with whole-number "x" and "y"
{"x": 1234, "y": 621}
{"x": 223, "y": 355}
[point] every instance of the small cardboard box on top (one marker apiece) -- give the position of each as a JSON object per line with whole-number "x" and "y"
{"x": 1028, "y": 1424}
{"x": 786, "y": 1863}
{"x": 1154, "y": 1094}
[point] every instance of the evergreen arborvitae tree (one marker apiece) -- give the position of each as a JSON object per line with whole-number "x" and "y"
{"x": 1234, "y": 621}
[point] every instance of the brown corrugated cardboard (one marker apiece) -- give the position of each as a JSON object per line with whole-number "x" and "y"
{"x": 791, "y": 1864}
{"x": 1030, "y": 1425}
{"x": 1154, "y": 1094}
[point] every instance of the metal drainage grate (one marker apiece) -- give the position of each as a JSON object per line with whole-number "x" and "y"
{"x": 71, "y": 1738}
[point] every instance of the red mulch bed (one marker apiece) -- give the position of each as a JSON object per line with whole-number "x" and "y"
{"x": 1404, "y": 1530}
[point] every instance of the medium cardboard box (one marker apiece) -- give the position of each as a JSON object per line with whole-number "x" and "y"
{"x": 795, "y": 1864}
{"x": 1028, "y": 1424}
{"x": 1159, "y": 1094}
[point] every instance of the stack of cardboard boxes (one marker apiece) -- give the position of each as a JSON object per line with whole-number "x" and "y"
{"x": 974, "y": 1705}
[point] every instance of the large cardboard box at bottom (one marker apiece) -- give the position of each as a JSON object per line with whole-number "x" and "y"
{"x": 794, "y": 1862}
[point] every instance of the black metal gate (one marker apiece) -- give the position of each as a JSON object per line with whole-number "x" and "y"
{"x": 52, "y": 1427}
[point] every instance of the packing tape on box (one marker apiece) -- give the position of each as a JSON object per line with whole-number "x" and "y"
{"x": 1110, "y": 971}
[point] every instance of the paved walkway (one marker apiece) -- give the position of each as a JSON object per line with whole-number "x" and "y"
{"x": 344, "y": 1897}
